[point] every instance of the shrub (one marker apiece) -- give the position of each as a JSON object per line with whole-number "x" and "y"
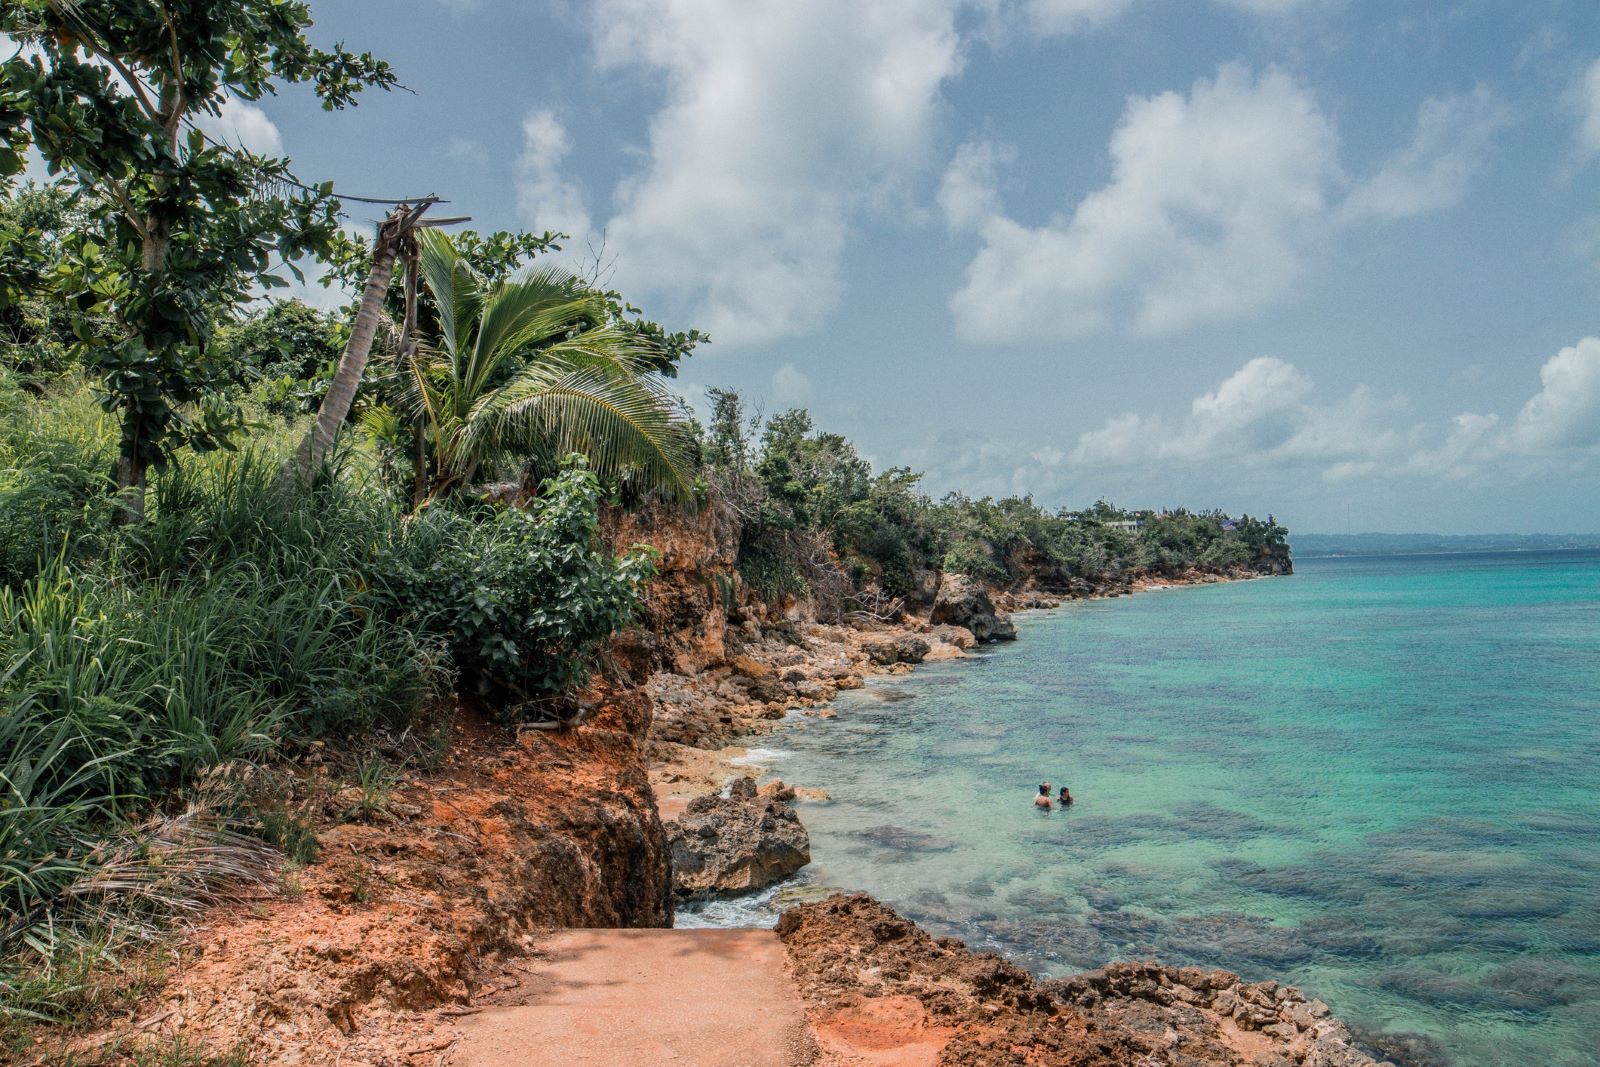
{"x": 523, "y": 597}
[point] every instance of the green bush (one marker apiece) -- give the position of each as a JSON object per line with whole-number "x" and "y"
{"x": 523, "y": 597}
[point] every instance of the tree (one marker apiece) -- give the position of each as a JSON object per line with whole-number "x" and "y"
{"x": 286, "y": 338}
{"x": 109, "y": 92}
{"x": 532, "y": 366}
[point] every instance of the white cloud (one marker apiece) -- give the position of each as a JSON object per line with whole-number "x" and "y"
{"x": 790, "y": 387}
{"x": 1271, "y": 8}
{"x": 1267, "y": 415}
{"x": 1585, "y": 98}
{"x": 1566, "y": 412}
{"x": 970, "y": 191}
{"x": 547, "y": 199}
{"x": 1451, "y": 142}
{"x": 243, "y": 125}
{"x": 783, "y": 123}
{"x": 1219, "y": 201}
{"x": 1214, "y": 201}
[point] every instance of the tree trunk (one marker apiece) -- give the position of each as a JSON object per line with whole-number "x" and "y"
{"x": 335, "y": 407}
{"x": 131, "y": 467}
{"x": 130, "y": 475}
{"x": 394, "y": 235}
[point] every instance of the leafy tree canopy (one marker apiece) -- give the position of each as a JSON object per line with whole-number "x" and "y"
{"x": 109, "y": 92}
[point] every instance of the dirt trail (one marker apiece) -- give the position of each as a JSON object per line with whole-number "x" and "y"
{"x": 597, "y": 998}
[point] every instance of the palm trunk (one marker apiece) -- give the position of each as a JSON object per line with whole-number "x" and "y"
{"x": 335, "y": 407}
{"x": 394, "y": 234}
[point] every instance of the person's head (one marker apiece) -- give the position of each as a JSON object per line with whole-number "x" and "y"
{"x": 1044, "y": 790}
{"x": 1063, "y": 790}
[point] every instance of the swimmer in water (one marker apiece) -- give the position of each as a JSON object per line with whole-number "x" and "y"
{"x": 1065, "y": 799}
{"x": 1043, "y": 799}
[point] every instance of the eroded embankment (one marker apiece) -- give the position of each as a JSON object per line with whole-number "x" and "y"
{"x": 366, "y": 954}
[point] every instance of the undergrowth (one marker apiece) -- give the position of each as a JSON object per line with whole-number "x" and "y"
{"x": 147, "y": 673}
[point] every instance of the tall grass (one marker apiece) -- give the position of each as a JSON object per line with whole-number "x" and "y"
{"x": 238, "y": 623}
{"x": 248, "y": 617}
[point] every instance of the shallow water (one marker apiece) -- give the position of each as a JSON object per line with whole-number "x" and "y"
{"x": 1376, "y": 780}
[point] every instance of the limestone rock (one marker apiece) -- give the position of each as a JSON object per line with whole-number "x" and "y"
{"x": 964, "y": 602}
{"x": 906, "y": 649}
{"x": 735, "y": 844}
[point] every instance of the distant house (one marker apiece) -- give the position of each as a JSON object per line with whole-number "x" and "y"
{"x": 1125, "y": 524}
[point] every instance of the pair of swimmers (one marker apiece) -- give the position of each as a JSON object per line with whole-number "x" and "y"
{"x": 1043, "y": 799}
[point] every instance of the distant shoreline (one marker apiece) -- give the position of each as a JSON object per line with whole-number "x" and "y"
{"x": 1304, "y": 554}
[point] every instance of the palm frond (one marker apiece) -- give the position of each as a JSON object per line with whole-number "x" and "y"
{"x": 456, "y": 288}
{"x": 625, "y": 424}
{"x": 525, "y": 312}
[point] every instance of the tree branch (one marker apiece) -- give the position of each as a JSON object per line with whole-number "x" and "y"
{"x": 96, "y": 49}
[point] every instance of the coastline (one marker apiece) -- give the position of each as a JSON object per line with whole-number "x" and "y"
{"x": 806, "y": 665}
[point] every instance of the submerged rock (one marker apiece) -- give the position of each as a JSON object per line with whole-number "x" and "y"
{"x": 735, "y": 844}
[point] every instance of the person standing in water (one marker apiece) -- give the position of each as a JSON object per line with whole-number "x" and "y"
{"x": 1065, "y": 800}
{"x": 1043, "y": 799}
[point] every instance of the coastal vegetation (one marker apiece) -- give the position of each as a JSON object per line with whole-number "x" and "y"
{"x": 817, "y": 521}
{"x": 183, "y": 607}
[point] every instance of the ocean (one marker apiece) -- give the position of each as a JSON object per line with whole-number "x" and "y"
{"x": 1377, "y": 780}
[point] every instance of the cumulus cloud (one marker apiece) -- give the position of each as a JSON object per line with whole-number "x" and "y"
{"x": 1452, "y": 140}
{"x": 782, "y": 125}
{"x": 547, "y": 199}
{"x": 1214, "y": 201}
{"x": 1219, "y": 200}
{"x": 1267, "y": 414}
{"x": 243, "y": 125}
{"x": 1566, "y": 412}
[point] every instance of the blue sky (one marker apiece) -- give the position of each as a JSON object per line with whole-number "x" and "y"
{"x": 1335, "y": 260}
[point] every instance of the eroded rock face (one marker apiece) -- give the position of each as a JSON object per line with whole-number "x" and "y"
{"x": 866, "y": 972}
{"x": 964, "y": 602}
{"x": 1212, "y": 1016}
{"x": 735, "y": 844}
{"x": 900, "y": 650}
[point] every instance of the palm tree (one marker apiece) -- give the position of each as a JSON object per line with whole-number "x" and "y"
{"x": 394, "y": 235}
{"x": 532, "y": 368}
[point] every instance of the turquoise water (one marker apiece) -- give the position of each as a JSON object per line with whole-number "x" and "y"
{"x": 1378, "y": 779}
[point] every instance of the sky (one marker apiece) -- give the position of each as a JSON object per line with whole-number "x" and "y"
{"x": 1338, "y": 261}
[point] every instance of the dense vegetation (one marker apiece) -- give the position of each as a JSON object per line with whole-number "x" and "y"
{"x": 817, "y": 521}
{"x": 181, "y": 605}
{"x": 249, "y": 616}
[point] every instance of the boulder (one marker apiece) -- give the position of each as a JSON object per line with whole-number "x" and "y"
{"x": 964, "y": 602}
{"x": 735, "y": 844}
{"x": 906, "y": 649}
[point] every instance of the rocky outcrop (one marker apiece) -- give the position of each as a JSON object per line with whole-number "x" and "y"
{"x": 962, "y": 601}
{"x": 907, "y": 648}
{"x": 1209, "y": 1015}
{"x": 735, "y": 844}
{"x": 686, "y": 610}
{"x": 876, "y": 984}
